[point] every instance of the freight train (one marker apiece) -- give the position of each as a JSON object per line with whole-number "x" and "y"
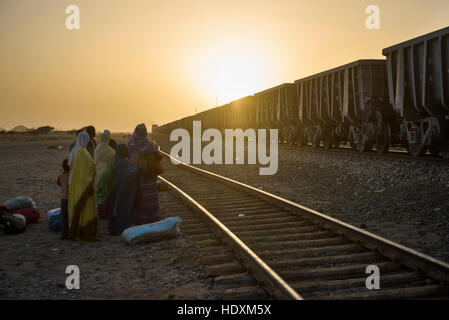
{"x": 402, "y": 100}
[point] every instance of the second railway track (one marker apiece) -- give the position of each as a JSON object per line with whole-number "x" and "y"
{"x": 398, "y": 154}
{"x": 294, "y": 252}
{"x": 391, "y": 155}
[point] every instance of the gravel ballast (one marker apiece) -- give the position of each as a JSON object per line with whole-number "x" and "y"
{"x": 403, "y": 201}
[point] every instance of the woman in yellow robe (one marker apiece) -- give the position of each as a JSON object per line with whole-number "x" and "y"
{"x": 83, "y": 219}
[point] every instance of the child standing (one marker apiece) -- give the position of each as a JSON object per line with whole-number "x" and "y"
{"x": 63, "y": 182}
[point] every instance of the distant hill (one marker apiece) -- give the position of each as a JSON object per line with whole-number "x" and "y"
{"x": 19, "y": 129}
{"x": 1, "y": 129}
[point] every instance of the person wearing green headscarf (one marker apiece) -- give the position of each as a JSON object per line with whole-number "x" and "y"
{"x": 104, "y": 158}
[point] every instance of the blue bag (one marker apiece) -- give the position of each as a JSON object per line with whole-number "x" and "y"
{"x": 19, "y": 203}
{"x": 54, "y": 219}
{"x": 151, "y": 232}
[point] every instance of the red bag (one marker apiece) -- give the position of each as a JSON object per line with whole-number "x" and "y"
{"x": 3, "y": 210}
{"x": 29, "y": 213}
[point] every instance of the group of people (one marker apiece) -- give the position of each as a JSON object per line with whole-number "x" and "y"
{"x": 109, "y": 181}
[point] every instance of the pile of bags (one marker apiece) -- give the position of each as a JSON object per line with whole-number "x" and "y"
{"x": 16, "y": 213}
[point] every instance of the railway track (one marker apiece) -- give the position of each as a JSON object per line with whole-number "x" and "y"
{"x": 246, "y": 288}
{"x": 395, "y": 154}
{"x": 294, "y": 252}
{"x": 391, "y": 155}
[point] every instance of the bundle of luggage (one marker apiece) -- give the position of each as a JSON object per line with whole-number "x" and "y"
{"x": 161, "y": 230}
{"x": 16, "y": 213}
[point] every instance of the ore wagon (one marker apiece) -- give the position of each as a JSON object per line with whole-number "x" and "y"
{"x": 242, "y": 113}
{"x": 276, "y": 108}
{"x": 348, "y": 103}
{"x": 418, "y": 86}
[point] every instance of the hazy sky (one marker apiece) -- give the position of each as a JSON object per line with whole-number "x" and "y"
{"x": 155, "y": 61}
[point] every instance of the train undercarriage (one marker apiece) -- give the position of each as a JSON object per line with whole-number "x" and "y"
{"x": 417, "y": 136}
{"x": 362, "y": 136}
{"x": 426, "y": 134}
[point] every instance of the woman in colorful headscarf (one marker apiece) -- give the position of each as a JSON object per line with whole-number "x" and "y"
{"x": 104, "y": 158}
{"x": 83, "y": 219}
{"x": 143, "y": 154}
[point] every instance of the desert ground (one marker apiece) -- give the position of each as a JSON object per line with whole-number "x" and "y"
{"x": 404, "y": 202}
{"x": 33, "y": 263}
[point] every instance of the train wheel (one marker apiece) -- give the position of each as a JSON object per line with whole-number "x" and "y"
{"x": 352, "y": 144}
{"x": 352, "y": 140}
{"x": 291, "y": 137}
{"x": 337, "y": 142}
{"x": 288, "y": 136}
{"x": 281, "y": 136}
{"x": 328, "y": 138}
{"x": 444, "y": 149}
{"x": 383, "y": 139}
{"x": 364, "y": 145}
{"x": 300, "y": 138}
{"x": 316, "y": 137}
{"x": 434, "y": 151}
{"x": 416, "y": 149}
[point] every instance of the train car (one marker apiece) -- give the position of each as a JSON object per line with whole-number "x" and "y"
{"x": 242, "y": 113}
{"x": 403, "y": 100}
{"x": 211, "y": 119}
{"x": 347, "y": 103}
{"x": 154, "y": 128}
{"x": 186, "y": 123}
{"x": 201, "y": 116}
{"x": 169, "y": 127}
{"x": 163, "y": 129}
{"x": 418, "y": 86}
{"x": 219, "y": 117}
{"x": 276, "y": 108}
{"x": 215, "y": 118}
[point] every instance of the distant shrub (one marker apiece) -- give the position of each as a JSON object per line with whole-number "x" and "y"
{"x": 42, "y": 130}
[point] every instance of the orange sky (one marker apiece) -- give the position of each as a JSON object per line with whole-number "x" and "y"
{"x": 155, "y": 61}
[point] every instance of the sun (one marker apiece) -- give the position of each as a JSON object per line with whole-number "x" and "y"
{"x": 232, "y": 72}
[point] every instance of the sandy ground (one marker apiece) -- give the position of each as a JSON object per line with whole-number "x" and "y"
{"x": 33, "y": 264}
{"x": 404, "y": 202}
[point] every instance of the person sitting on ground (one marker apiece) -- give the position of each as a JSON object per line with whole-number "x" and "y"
{"x": 143, "y": 154}
{"x": 63, "y": 182}
{"x": 74, "y": 142}
{"x": 92, "y": 143}
{"x": 120, "y": 201}
{"x": 83, "y": 219}
{"x": 104, "y": 157}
